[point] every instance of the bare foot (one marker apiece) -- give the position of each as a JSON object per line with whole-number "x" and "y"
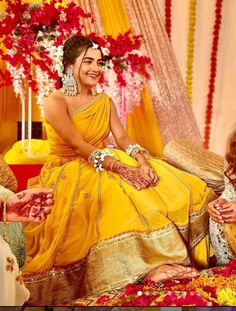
{"x": 173, "y": 271}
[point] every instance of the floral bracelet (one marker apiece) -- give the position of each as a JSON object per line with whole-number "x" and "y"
{"x": 97, "y": 156}
{"x": 132, "y": 150}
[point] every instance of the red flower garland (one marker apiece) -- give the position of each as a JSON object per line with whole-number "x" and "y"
{"x": 168, "y": 17}
{"x": 200, "y": 291}
{"x": 213, "y": 67}
{"x": 24, "y": 27}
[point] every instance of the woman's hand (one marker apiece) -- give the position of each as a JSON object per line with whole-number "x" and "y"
{"x": 132, "y": 175}
{"x": 148, "y": 169}
{"x": 213, "y": 209}
{"x": 228, "y": 212}
{"x": 30, "y": 205}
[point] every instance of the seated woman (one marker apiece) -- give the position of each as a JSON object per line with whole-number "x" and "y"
{"x": 119, "y": 215}
{"x": 30, "y": 205}
{"x": 223, "y": 211}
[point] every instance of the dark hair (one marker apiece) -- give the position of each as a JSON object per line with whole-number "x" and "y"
{"x": 231, "y": 159}
{"x": 74, "y": 46}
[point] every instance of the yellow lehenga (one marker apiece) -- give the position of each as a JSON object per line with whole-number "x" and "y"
{"x": 102, "y": 233}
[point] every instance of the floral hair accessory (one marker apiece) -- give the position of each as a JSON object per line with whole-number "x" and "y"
{"x": 94, "y": 45}
{"x": 105, "y": 51}
{"x": 59, "y": 60}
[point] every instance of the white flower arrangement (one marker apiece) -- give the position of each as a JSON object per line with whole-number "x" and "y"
{"x": 46, "y": 87}
{"x": 58, "y": 56}
{"x": 18, "y": 81}
{"x": 132, "y": 91}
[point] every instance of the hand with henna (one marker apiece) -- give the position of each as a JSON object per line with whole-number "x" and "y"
{"x": 213, "y": 209}
{"x": 148, "y": 169}
{"x": 228, "y": 212}
{"x": 132, "y": 175}
{"x": 29, "y": 205}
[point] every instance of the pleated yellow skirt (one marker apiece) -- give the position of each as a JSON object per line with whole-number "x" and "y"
{"x": 114, "y": 231}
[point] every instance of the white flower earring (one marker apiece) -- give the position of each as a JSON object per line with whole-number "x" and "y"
{"x": 69, "y": 85}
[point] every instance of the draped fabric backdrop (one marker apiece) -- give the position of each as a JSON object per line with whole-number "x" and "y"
{"x": 165, "y": 111}
{"x": 224, "y": 102}
{"x": 168, "y": 91}
{"x": 141, "y": 123}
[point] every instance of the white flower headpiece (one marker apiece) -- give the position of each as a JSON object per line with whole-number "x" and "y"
{"x": 59, "y": 60}
{"x": 94, "y": 45}
{"x": 105, "y": 50}
{"x": 59, "y": 52}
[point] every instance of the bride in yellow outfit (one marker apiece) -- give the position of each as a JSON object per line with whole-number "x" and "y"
{"x": 118, "y": 215}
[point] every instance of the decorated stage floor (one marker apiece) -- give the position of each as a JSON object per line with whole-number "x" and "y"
{"x": 214, "y": 287}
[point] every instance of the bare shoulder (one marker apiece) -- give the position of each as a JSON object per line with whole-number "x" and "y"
{"x": 112, "y": 104}
{"x": 56, "y": 96}
{"x": 55, "y": 100}
{"x": 55, "y": 106}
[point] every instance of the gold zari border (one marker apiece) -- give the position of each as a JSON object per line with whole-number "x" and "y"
{"x": 110, "y": 264}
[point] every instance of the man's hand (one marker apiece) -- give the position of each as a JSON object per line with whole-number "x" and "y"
{"x": 228, "y": 212}
{"x": 213, "y": 209}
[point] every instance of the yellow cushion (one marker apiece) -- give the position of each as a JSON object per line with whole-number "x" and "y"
{"x": 196, "y": 160}
{"x": 7, "y": 178}
{"x": 39, "y": 152}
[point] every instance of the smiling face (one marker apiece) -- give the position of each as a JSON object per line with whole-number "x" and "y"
{"x": 87, "y": 68}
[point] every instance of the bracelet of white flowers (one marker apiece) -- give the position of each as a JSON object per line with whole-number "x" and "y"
{"x": 96, "y": 158}
{"x": 132, "y": 150}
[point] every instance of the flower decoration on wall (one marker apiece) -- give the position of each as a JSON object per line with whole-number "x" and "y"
{"x": 31, "y": 36}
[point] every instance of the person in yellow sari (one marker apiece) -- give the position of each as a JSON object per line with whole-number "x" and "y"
{"x": 118, "y": 215}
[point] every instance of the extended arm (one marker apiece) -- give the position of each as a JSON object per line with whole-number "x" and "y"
{"x": 124, "y": 141}
{"x": 29, "y": 205}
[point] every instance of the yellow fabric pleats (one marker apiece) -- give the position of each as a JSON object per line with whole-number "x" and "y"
{"x": 101, "y": 227}
{"x": 113, "y": 16}
{"x": 141, "y": 123}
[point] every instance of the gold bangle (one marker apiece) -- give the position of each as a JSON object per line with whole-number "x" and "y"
{"x": 4, "y": 214}
{"x": 112, "y": 164}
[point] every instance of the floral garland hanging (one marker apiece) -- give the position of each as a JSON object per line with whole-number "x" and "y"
{"x": 213, "y": 68}
{"x": 29, "y": 39}
{"x": 168, "y": 17}
{"x": 190, "y": 49}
